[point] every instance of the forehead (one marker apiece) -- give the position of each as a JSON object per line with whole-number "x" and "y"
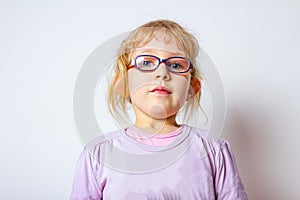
{"x": 160, "y": 43}
{"x": 160, "y": 52}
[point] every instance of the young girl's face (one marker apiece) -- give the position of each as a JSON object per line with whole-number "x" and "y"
{"x": 158, "y": 94}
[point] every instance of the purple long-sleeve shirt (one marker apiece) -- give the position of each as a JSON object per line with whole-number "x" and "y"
{"x": 193, "y": 166}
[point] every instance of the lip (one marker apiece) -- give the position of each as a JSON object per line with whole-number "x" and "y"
{"x": 161, "y": 90}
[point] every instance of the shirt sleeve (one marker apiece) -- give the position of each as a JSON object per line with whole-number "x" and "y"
{"x": 227, "y": 180}
{"x": 85, "y": 184}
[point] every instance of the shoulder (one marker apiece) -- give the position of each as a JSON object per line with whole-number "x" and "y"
{"x": 218, "y": 150}
{"x": 104, "y": 139}
{"x": 228, "y": 184}
{"x": 212, "y": 144}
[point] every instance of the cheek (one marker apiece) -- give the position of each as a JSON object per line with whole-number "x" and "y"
{"x": 136, "y": 82}
{"x": 182, "y": 85}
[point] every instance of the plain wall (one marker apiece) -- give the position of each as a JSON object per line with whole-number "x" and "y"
{"x": 254, "y": 45}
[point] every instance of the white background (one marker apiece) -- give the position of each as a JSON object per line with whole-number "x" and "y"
{"x": 254, "y": 45}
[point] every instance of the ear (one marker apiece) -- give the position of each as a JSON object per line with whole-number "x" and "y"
{"x": 194, "y": 88}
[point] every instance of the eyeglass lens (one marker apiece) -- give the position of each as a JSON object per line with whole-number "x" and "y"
{"x": 174, "y": 64}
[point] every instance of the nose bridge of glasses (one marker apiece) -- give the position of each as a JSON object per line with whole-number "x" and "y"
{"x": 164, "y": 61}
{"x": 162, "y": 71}
{"x": 161, "y": 60}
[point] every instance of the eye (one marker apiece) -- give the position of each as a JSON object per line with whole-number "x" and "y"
{"x": 176, "y": 66}
{"x": 147, "y": 63}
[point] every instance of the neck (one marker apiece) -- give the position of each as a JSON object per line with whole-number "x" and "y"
{"x": 156, "y": 126}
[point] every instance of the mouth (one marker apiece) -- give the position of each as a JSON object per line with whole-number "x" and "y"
{"x": 161, "y": 90}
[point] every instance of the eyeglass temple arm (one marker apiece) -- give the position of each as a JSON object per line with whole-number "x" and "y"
{"x": 130, "y": 67}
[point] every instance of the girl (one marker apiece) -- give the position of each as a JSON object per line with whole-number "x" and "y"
{"x": 157, "y": 158}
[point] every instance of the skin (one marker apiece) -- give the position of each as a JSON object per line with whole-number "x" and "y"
{"x": 156, "y": 112}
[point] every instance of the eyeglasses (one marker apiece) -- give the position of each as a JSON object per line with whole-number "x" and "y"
{"x": 174, "y": 64}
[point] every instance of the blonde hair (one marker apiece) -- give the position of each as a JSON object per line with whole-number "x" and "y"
{"x": 118, "y": 92}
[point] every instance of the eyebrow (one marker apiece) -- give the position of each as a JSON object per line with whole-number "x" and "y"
{"x": 150, "y": 51}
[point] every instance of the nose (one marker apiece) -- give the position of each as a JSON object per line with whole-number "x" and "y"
{"x": 161, "y": 72}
